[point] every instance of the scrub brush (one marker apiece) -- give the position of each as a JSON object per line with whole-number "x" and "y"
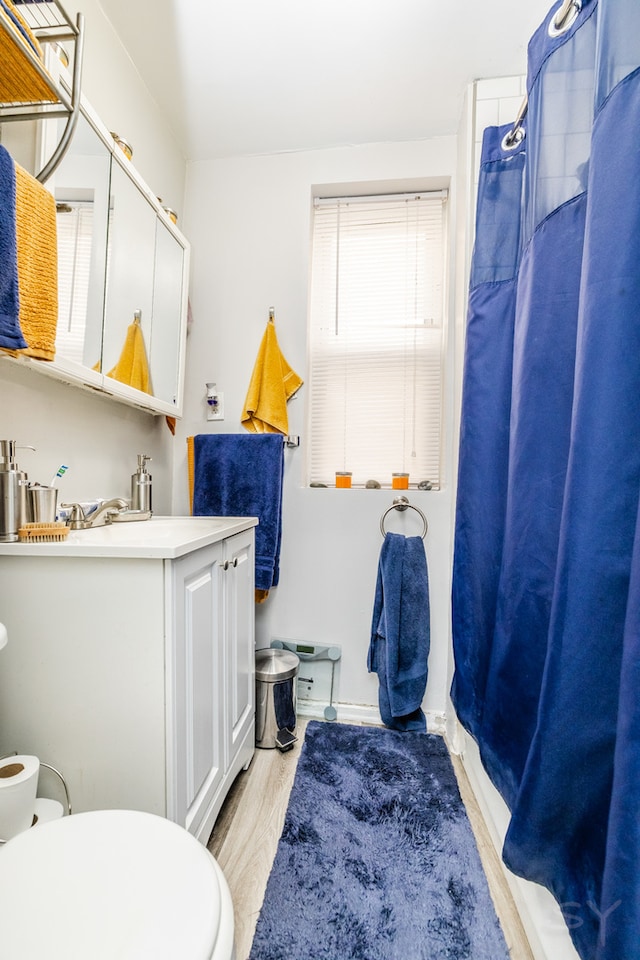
{"x": 43, "y": 532}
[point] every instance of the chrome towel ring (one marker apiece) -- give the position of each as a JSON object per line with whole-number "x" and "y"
{"x": 401, "y": 503}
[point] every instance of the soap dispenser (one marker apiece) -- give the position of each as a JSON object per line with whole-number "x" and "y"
{"x": 14, "y": 511}
{"x": 141, "y": 485}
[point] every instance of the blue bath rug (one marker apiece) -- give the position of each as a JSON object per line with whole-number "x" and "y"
{"x": 377, "y": 859}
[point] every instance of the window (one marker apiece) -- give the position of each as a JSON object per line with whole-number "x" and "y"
{"x": 376, "y": 338}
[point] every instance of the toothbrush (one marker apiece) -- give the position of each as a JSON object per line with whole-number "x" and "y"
{"x": 61, "y": 470}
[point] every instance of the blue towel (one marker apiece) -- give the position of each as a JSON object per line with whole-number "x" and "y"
{"x": 10, "y": 332}
{"x": 240, "y": 475}
{"x": 401, "y": 632}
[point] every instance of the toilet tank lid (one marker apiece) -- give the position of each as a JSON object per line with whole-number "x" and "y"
{"x": 110, "y": 883}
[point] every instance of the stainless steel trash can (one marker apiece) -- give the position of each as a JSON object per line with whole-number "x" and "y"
{"x": 276, "y": 698}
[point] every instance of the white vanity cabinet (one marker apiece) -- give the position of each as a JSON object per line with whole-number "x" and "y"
{"x": 130, "y": 663}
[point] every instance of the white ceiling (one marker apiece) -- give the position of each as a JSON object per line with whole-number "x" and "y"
{"x": 242, "y": 77}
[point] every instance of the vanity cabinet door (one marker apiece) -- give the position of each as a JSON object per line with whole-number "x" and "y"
{"x": 198, "y": 710}
{"x": 239, "y": 641}
{"x": 212, "y": 721}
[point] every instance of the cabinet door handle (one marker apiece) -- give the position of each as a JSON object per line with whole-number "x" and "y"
{"x": 235, "y": 561}
{"x": 225, "y": 565}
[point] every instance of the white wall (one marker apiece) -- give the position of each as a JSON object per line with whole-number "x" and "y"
{"x": 99, "y": 438}
{"x": 249, "y": 223}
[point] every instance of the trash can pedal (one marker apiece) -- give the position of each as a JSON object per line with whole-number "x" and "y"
{"x": 285, "y": 740}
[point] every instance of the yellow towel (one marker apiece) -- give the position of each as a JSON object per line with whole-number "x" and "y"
{"x": 132, "y": 367}
{"x": 19, "y": 80}
{"x": 273, "y": 382}
{"x": 37, "y": 250}
{"x": 191, "y": 469}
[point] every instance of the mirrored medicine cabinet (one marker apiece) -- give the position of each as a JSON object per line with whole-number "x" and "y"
{"x": 121, "y": 261}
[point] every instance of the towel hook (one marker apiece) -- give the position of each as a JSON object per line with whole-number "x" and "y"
{"x": 272, "y": 313}
{"x": 401, "y": 503}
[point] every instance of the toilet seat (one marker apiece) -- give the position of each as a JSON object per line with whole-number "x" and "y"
{"x": 112, "y": 885}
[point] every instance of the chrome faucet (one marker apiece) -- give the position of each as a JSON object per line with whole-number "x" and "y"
{"x": 79, "y": 521}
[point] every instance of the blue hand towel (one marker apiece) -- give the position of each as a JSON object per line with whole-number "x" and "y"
{"x": 240, "y": 475}
{"x": 10, "y": 332}
{"x": 400, "y": 632}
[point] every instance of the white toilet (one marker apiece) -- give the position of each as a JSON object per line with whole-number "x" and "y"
{"x": 112, "y": 885}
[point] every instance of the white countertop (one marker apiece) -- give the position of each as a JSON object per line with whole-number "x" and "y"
{"x": 160, "y": 537}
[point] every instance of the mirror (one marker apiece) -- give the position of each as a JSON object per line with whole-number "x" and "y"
{"x": 129, "y": 290}
{"x": 122, "y": 275}
{"x": 169, "y": 297}
{"x": 81, "y": 188}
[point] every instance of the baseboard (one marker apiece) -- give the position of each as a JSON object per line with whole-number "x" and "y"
{"x": 366, "y": 713}
{"x": 347, "y": 712}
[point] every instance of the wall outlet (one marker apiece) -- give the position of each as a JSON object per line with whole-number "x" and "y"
{"x": 217, "y": 412}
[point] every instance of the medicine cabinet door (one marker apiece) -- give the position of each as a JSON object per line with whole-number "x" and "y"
{"x": 81, "y": 189}
{"x": 130, "y": 278}
{"x": 166, "y": 355}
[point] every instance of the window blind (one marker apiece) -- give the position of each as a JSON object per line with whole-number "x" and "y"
{"x": 376, "y": 338}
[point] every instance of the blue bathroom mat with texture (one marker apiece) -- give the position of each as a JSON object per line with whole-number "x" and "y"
{"x": 377, "y": 859}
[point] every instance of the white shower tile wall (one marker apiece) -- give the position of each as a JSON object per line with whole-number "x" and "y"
{"x": 496, "y": 102}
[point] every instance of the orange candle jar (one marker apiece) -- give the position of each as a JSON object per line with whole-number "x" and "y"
{"x": 343, "y": 479}
{"x": 399, "y": 481}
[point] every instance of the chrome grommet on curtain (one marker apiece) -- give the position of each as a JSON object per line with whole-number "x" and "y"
{"x": 514, "y": 137}
{"x": 565, "y": 17}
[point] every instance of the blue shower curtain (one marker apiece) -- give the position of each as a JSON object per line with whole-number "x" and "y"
{"x": 484, "y": 427}
{"x": 546, "y": 603}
